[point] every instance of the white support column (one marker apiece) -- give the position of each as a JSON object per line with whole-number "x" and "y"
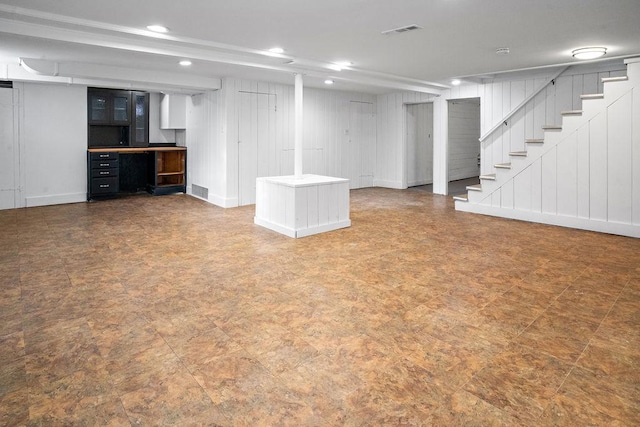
{"x": 297, "y": 165}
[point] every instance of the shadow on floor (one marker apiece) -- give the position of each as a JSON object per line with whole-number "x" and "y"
{"x": 455, "y": 187}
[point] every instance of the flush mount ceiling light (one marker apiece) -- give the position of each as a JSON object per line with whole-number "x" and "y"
{"x": 328, "y": 82}
{"x": 185, "y": 62}
{"x": 275, "y": 51}
{"x": 158, "y": 28}
{"x": 340, "y": 65}
{"x": 455, "y": 82}
{"x": 502, "y": 51}
{"x": 589, "y": 52}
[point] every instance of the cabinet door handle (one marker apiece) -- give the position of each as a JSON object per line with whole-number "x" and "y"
{"x": 104, "y": 185}
{"x": 104, "y": 155}
{"x": 104, "y": 164}
{"x": 104, "y": 173}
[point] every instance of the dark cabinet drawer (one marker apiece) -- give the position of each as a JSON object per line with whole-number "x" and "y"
{"x": 100, "y": 164}
{"x": 104, "y": 156}
{"x": 104, "y": 173}
{"x": 104, "y": 185}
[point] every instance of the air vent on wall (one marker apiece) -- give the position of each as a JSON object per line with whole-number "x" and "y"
{"x": 6, "y": 84}
{"x": 199, "y": 191}
{"x": 402, "y": 29}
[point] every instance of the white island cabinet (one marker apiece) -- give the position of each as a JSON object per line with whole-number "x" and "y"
{"x": 302, "y": 206}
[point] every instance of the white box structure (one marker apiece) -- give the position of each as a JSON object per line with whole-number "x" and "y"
{"x": 302, "y": 206}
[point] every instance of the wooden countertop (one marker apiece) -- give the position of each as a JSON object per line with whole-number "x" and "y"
{"x": 134, "y": 149}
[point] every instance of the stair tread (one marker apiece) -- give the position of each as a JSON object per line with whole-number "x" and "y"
{"x": 490, "y": 176}
{"x": 534, "y": 141}
{"x": 615, "y": 79}
{"x": 571, "y": 113}
{"x": 592, "y": 96}
{"x": 552, "y": 127}
{"x": 476, "y": 187}
{"x": 518, "y": 153}
{"x": 503, "y": 165}
{"x": 461, "y": 197}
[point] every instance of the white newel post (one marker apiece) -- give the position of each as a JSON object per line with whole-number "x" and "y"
{"x": 297, "y": 165}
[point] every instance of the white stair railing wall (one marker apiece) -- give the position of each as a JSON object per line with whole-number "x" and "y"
{"x": 585, "y": 176}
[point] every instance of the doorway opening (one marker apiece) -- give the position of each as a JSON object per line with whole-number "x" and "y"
{"x": 419, "y": 143}
{"x": 464, "y": 144}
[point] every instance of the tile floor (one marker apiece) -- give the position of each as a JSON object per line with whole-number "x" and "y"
{"x": 170, "y": 311}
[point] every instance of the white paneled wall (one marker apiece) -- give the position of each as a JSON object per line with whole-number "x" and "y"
{"x": 339, "y": 136}
{"x": 499, "y": 98}
{"x": 391, "y": 150}
{"x": 464, "y": 135}
{"x": 9, "y": 161}
{"x": 586, "y": 176}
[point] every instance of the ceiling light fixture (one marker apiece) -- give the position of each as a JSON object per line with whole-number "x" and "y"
{"x": 328, "y": 82}
{"x": 157, "y": 28}
{"x": 276, "y": 50}
{"x": 502, "y": 51}
{"x": 455, "y": 82}
{"x": 185, "y": 62}
{"x": 589, "y": 52}
{"x": 340, "y": 65}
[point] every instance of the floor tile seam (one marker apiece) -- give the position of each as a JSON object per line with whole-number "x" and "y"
{"x": 597, "y": 329}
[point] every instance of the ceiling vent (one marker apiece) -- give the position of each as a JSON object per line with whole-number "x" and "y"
{"x": 404, "y": 29}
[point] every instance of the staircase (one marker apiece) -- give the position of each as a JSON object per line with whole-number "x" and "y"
{"x": 583, "y": 173}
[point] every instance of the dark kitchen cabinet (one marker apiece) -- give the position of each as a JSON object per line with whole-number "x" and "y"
{"x": 117, "y": 118}
{"x": 140, "y": 119}
{"x": 109, "y": 107}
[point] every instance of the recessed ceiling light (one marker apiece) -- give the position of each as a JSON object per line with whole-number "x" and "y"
{"x": 276, "y": 50}
{"x": 185, "y": 62}
{"x": 157, "y": 28}
{"x": 589, "y": 52}
{"x": 455, "y": 82}
{"x": 328, "y": 82}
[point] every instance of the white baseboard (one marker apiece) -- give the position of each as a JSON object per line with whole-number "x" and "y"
{"x": 388, "y": 184}
{"x": 55, "y": 199}
{"x": 628, "y": 230}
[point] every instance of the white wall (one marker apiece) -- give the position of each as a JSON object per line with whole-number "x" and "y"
{"x": 498, "y": 97}
{"x": 464, "y": 135}
{"x": 53, "y": 141}
{"x": 338, "y": 137}
{"x": 9, "y": 160}
{"x": 391, "y": 150}
{"x": 586, "y": 176}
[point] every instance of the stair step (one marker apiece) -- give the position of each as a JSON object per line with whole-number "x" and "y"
{"x": 534, "y": 141}
{"x": 571, "y": 113}
{"x": 461, "y": 197}
{"x": 477, "y": 187}
{"x": 502, "y": 166}
{"x": 615, "y": 79}
{"x": 490, "y": 177}
{"x": 518, "y": 153}
{"x": 592, "y": 96}
{"x": 551, "y": 127}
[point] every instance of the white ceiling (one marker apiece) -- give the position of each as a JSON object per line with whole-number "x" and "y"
{"x": 229, "y": 37}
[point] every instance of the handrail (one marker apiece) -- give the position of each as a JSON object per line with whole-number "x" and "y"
{"x": 522, "y": 104}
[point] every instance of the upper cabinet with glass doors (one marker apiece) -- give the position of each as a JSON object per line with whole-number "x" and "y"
{"x": 109, "y": 107}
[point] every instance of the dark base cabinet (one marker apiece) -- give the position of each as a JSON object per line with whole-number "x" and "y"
{"x": 168, "y": 172}
{"x": 102, "y": 174}
{"x": 118, "y": 171}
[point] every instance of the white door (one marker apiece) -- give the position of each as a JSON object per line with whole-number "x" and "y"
{"x": 358, "y": 163}
{"x": 8, "y": 168}
{"x": 253, "y": 142}
{"x": 419, "y": 144}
